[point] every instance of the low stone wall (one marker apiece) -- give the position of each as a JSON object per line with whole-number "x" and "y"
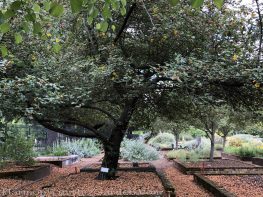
{"x": 212, "y": 187}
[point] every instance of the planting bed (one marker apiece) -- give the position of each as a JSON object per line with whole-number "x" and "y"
{"x": 240, "y": 185}
{"x": 219, "y": 166}
{"x": 25, "y": 172}
{"x": 85, "y": 184}
{"x": 61, "y": 161}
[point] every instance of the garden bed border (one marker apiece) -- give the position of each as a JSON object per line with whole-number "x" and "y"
{"x": 254, "y": 170}
{"x": 168, "y": 187}
{"x": 212, "y": 186}
{"x": 33, "y": 174}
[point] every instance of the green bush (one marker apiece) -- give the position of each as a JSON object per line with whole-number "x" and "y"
{"x": 136, "y": 150}
{"x": 247, "y": 151}
{"x": 183, "y": 155}
{"x": 218, "y": 147}
{"x": 18, "y": 148}
{"x": 83, "y": 147}
{"x": 162, "y": 140}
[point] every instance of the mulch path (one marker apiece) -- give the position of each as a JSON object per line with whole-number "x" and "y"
{"x": 242, "y": 185}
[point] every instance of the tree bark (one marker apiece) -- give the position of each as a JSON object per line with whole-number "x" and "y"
{"x": 224, "y": 142}
{"x": 176, "y": 140}
{"x": 212, "y": 149}
{"x": 112, "y": 148}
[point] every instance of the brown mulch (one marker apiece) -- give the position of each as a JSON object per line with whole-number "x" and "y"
{"x": 218, "y": 163}
{"x": 241, "y": 185}
{"x": 184, "y": 184}
{"x": 69, "y": 182}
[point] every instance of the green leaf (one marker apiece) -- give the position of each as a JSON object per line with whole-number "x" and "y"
{"x": 57, "y": 47}
{"x": 219, "y": 3}
{"x": 4, "y": 28}
{"x": 106, "y": 13}
{"x": 94, "y": 12}
{"x": 197, "y": 3}
{"x": 98, "y": 26}
{"x": 90, "y": 20}
{"x": 113, "y": 27}
{"x": 56, "y": 9}
{"x": 18, "y": 38}
{"x": 76, "y": 5}
{"x": 124, "y": 3}
{"x": 123, "y": 11}
{"x": 174, "y": 2}
{"x": 4, "y": 50}
{"x": 47, "y": 5}
{"x": 9, "y": 13}
{"x": 25, "y": 26}
{"x": 36, "y": 8}
{"x": 30, "y": 16}
{"x": 115, "y": 5}
{"x": 104, "y": 26}
{"x": 37, "y": 28}
{"x": 16, "y": 5}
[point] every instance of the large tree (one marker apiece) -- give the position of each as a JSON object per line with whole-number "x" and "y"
{"x": 100, "y": 82}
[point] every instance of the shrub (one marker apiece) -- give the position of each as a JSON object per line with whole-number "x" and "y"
{"x": 18, "y": 148}
{"x": 136, "y": 150}
{"x": 235, "y": 142}
{"x": 83, "y": 148}
{"x": 162, "y": 139}
{"x": 247, "y": 151}
{"x": 186, "y": 137}
{"x": 218, "y": 147}
{"x": 183, "y": 155}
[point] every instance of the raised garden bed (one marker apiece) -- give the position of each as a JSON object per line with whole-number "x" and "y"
{"x": 233, "y": 185}
{"x": 236, "y": 157}
{"x": 33, "y": 173}
{"x": 142, "y": 168}
{"x": 212, "y": 187}
{"x": 61, "y": 161}
{"x": 257, "y": 161}
{"x": 84, "y": 184}
{"x": 220, "y": 166}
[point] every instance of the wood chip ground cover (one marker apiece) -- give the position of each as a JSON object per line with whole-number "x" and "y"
{"x": 219, "y": 163}
{"x": 185, "y": 185}
{"x": 241, "y": 185}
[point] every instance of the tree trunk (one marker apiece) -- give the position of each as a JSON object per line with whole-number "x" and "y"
{"x": 112, "y": 147}
{"x": 224, "y": 142}
{"x": 110, "y": 162}
{"x": 176, "y": 140}
{"x": 212, "y": 149}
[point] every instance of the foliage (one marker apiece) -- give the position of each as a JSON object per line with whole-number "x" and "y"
{"x": 195, "y": 132}
{"x": 18, "y": 148}
{"x": 136, "y": 150}
{"x": 162, "y": 140}
{"x": 83, "y": 147}
{"x": 219, "y": 147}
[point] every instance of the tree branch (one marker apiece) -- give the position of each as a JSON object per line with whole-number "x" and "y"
{"x": 125, "y": 22}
